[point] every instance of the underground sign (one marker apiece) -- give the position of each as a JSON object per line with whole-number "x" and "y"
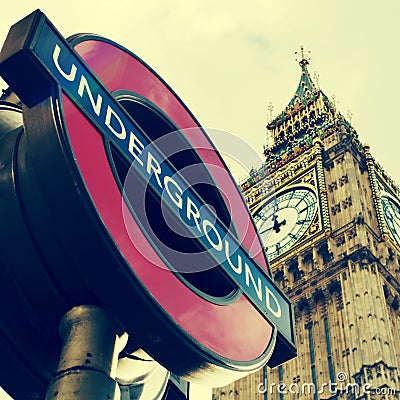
{"x": 114, "y": 195}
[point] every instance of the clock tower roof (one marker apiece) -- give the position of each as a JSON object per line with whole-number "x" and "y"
{"x": 306, "y": 91}
{"x": 308, "y": 114}
{"x": 306, "y": 86}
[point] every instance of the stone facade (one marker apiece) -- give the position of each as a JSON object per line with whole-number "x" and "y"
{"x": 343, "y": 273}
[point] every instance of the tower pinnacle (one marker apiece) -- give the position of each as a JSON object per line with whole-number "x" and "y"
{"x": 304, "y": 57}
{"x": 306, "y": 86}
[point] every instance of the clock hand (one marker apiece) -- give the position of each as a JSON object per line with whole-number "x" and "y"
{"x": 303, "y": 221}
{"x": 277, "y": 225}
{"x": 266, "y": 230}
{"x": 305, "y": 208}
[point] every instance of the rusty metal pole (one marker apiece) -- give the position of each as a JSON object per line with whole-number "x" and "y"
{"x": 89, "y": 357}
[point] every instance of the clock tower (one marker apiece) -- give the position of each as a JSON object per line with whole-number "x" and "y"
{"x": 329, "y": 217}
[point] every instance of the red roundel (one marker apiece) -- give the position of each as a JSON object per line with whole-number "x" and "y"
{"x": 229, "y": 333}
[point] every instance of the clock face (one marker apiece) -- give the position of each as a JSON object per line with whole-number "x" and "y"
{"x": 282, "y": 222}
{"x": 391, "y": 212}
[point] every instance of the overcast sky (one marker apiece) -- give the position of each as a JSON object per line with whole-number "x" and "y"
{"x": 228, "y": 60}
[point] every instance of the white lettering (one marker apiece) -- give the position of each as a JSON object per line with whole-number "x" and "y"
{"x": 293, "y": 388}
{"x": 135, "y": 144}
{"x": 282, "y": 388}
{"x": 262, "y": 388}
{"x": 277, "y": 310}
{"x": 366, "y": 388}
{"x": 257, "y": 287}
{"x": 207, "y": 227}
{"x": 309, "y": 386}
{"x": 153, "y": 165}
{"x": 83, "y": 84}
{"x": 71, "y": 75}
{"x": 176, "y": 199}
{"x": 192, "y": 209}
{"x": 239, "y": 267}
{"x": 322, "y": 388}
{"x": 110, "y": 112}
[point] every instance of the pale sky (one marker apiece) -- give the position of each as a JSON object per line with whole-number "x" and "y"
{"x": 228, "y": 59}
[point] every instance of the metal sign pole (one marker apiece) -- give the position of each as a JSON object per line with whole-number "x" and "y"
{"x": 88, "y": 358}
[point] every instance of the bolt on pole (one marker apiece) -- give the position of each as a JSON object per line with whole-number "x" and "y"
{"x": 89, "y": 357}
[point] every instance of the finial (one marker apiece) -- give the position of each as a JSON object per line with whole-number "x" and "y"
{"x": 270, "y": 109}
{"x": 349, "y": 116}
{"x": 304, "y": 57}
{"x": 316, "y": 78}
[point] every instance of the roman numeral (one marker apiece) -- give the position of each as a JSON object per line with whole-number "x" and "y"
{"x": 303, "y": 221}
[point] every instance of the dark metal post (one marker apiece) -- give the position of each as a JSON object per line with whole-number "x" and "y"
{"x": 89, "y": 357}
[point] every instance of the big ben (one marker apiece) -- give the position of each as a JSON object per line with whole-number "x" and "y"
{"x": 329, "y": 217}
